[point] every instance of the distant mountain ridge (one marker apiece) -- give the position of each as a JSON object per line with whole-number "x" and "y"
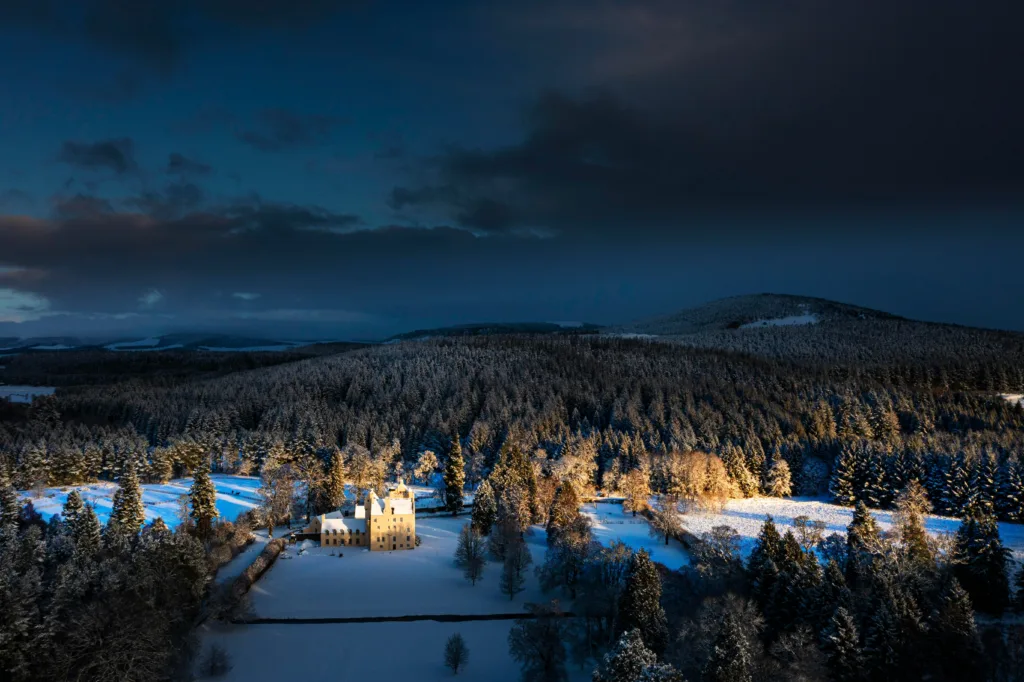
{"x": 738, "y": 312}
{"x": 488, "y": 328}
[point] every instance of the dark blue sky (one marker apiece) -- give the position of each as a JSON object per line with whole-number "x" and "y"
{"x": 358, "y": 168}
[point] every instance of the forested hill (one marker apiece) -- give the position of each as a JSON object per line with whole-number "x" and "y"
{"x": 803, "y": 328}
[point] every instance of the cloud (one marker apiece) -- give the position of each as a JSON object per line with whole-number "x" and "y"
{"x": 150, "y": 298}
{"x": 156, "y": 34}
{"x": 280, "y": 129}
{"x": 682, "y": 108}
{"x": 178, "y": 164}
{"x": 245, "y": 296}
{"x": 14, "y": 197}
{"x": 117, "y": 155}
{"x": 20, "y": 306}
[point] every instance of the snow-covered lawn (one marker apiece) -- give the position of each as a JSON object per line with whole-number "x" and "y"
{"x": 789, "y": 321}
{"x": 612, "y": 523}
{"x": 746, "y": 517}
{"x": 422, "y": 581}
{"x": 235, "y": 495}
{"x": 365, "y": 651}
{"x": 24, "y": 394}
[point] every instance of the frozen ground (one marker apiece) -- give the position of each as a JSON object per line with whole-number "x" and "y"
{"x": 612, "y": 523}
{"x": 235, "y": 496}
{"x": 422, "y": 581}
{"x": 789, "y": 321}
{"x": 24, "y": 394}
{"x": 365, "y": 651}
{"x": 746, "y": 517}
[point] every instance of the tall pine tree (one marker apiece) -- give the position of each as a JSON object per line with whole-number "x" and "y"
{"x": 203, "y": 495}
{"x": 127, "y": 513}
{"x": 454, "y": 478}
{"x": 640, "y": 605}
{"x": 485, "y": 508}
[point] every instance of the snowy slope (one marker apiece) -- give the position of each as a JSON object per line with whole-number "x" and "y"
{"x": 235, "y": 496}
{"x": 788, "y": 321}
{"x": 746, "y": 517}
{"x": 612, "y": 523}
{"x": 361, "y": 651}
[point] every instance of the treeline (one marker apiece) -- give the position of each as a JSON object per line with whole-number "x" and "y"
{"x": 623, "y": 405}
{"x": 868, "y": 606}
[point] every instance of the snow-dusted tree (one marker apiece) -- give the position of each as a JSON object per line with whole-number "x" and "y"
{"x": 517, "y": 560}
{"x": 566, "y": 558}
{"x": 426, "y": 466}
{"x": 1010, "y": 500}
{"x": 277, "y": 492}
{"x": 470, "y": 554}
{"x": 454, "y": 478}
{"x": 777, "y": 481}
{"x": 627, "y": 660}
{"x": 10, "y": 505}
{"x": 731, "y": 659}
{"x": 955, "y": 632}
{"x": 636, "y": 486}
{"x": 640, "y": 606}
{"x": 980, "y": 561}
{"x": 203, "y": 496}
{"x": 841, "y": 645}
{"x": 334, "y": 486}
{"x": 537, "y": 643}
{"x": 911, "y": 506}
{"x": 565, "y": 509}
{"x": 485, "y": 508}
{"x": 665, "y": 521}
{"x": 456, "y": 653}
{"x": 1019, "y": 583}
{"x": 127, "y": 513}
{"x": 844, "y": 475}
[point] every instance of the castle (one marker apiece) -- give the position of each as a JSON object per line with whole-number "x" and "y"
{"x": 379, "y": 524}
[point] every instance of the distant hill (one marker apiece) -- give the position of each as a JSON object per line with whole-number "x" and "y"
{"x": 491, "y": 328}
{"x": 178, "y": 341}
{"x": 752, "y": 311}
{"x": 805, "y": 328}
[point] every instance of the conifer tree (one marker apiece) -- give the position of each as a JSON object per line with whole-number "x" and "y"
{"x": 454, "y": 478}
{"x": 842, "y": 485}
{"x": 627, "y": 660}
{"x": 72, "y": 509}
{"x": 203, "y": 495}
{"x": 778, "y": 481}
{"x": 334, "y": 486}
{"x": 980, "y": 561}
{"x": 470, "y": 553}
{"x": 1011, "y": 492}
{"x": 87, "y": 532}
{"x": 764, "y": 560}
{"x": 1019, "y": 582}
{"x": 863, "y": 541}
{"x": 640, "y": 605}
{"x": 565, "y": 509}
{"x": 911, "y": 505}
{"x": 127, "y": 513}
{"x": 485, "y": 508}
{"x": 731, "y": 659}
{"x": 10, "y": 506}
{"x": 957, "y": 488}
{"x": 956, "y": 634}
{"x": 842, "y": 646}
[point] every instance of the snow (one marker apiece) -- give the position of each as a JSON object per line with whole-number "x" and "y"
{"x": 55, "y": 346}
{"x": 420, "y": 581}
{"x": 244, "y": 559}
{"x": 631, "y": 335}
{"x": 229, "y": 349}
{"x": 364, "y": 651}
{"x": 24, "y": 394}
{"x": 159, "y": 499}
{"x": 789, "y": 321}
{"x": 611, "y": 522}
{"x": 1013, "y": 398}
{"x": 141, "y": 343}
{"x": 569, "y": 324}
{"x": 746, "y": 517}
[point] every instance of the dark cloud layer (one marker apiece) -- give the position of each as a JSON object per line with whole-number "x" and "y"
{"x": 177, "y": 164}
{"x": 158, "y": 32}
{"x": 116, "y": 155}
{"x": 796, "y": 104}
{"x": 280, "y": 129}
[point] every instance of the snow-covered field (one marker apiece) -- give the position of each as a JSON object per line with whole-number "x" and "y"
{"x": 24, "y": 394}
{"x": 746, "y": 517}
{"x": 366, "y": 651}
{"x": 612, "y": 523}
{"x": 1015, "y": 398}
{"x": 144, "y": 344}
{"x": 789, "y": 321}
{"x": 235, "y": 495}
{"x": 422, "y": 581}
